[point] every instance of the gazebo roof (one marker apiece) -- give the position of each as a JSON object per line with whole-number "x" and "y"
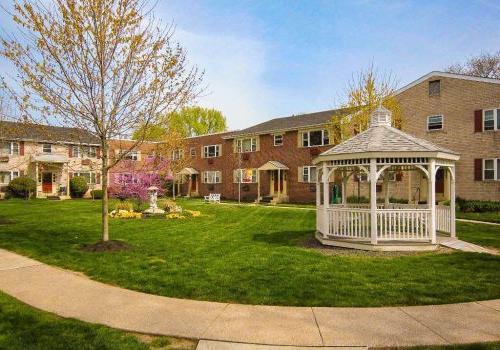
{"x": 381, "y": 137}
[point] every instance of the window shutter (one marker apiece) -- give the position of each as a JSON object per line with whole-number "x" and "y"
{"x": 21, "y": 148}
{"x": 235, "y": 176}
{"x": 478, "y": 169}
{"x": 399, "y": 176}
{"x": 220, "y": 150}
{"x": 202, "y": 177}
{"x": 98, "y": 178}
{"x": 202, "y": 152}
{"x": 478, "y": 120}
{"x": 70, "y": 151}
{"x": 257, "y": 143}
{"x": 70, "y": 176}
{"x": 98, "y": 152}
{"x": 300, "y": 174}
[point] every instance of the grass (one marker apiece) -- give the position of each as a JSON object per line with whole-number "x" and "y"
{"x": 485, "y": 235}
{"x": 244, "y": 254}
{"x": 487, "y": 216}
{"x": 23, "y": 327}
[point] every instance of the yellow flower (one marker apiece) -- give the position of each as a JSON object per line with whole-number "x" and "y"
{"x": 193, "y": 213}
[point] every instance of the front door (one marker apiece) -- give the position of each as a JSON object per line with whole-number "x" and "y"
{"x": 193, "y": 183}
{"x": 47, "y": 182}
{"x": 275, "y": 181}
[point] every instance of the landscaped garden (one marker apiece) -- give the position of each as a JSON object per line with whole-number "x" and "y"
{"x": 246, "y": 254}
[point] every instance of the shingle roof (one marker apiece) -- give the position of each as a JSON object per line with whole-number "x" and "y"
{"x": 287, "y": 123}
{"x": 38, "y": 132}
{"x": 383, "y": 138}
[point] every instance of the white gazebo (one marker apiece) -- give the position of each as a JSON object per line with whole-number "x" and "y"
{"x": 383, "y": 226}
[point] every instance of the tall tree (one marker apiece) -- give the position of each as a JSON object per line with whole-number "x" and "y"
{"x": 188, "y": 121}
{"x": 105, "y": 66}
{"x": 364, "y": 93}
{"x": 486, "y": 65}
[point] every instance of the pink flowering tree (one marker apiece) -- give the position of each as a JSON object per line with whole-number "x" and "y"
{"x": 132, "y": 181}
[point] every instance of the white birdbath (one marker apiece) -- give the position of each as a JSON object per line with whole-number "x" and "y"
{"x": 153, "y": 205}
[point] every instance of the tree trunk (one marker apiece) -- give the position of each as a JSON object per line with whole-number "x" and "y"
{"x": 105, "y": 202}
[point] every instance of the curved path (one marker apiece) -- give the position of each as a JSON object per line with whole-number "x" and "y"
{"x": 70, "y": 294}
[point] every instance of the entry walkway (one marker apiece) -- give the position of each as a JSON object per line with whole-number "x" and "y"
{"x": 70, "y": 294}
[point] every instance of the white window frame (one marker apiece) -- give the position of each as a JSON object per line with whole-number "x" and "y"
{"x": 91, "y": 180}
{"x": 429, "y": 122}
{"x": 206, "y": 151}
{"x": 45, "y": 145}
{"x": 280, "y": 137}
{"x": 132, "y": 155}
{"x": 496, "y": 117}
{"x": 11, "y": 148}
{"x": 496, "y": 170}
{"x": 306, "y": 138}
{"x": 177, "y": 154}
{"x": 239, "y": 176}
{"x": 76, "y": 151}
{"x": 253, "y": 145}
{"x": 192, "y": 152}
{"x": 12, "y": 175}
{"x": 306, "y": 173}
{"x": 212, "y": 177}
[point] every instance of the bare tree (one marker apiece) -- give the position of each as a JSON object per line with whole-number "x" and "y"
{"x": 486, "y": 65}
{"x": 105, "y": 66}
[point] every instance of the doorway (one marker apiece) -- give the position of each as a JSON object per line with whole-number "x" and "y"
{"x": 46, "y": 182}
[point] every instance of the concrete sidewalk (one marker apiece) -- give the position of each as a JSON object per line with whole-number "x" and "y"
{"x": 69, "y": 294}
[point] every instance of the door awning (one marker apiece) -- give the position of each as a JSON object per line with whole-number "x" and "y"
{"x": 188, "y": 171}
{"x": 50, "y": 158}
{"x": 273, "y": 165}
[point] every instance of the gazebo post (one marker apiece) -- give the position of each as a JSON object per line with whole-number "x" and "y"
{"x": 386, "y": 191}
{"x": 344, "y": 189}
{"x": 326, "y": 201}
{"x": 431, "y": 198}
{"x": 452, "y": 202}
{"x": 373, "y": 200}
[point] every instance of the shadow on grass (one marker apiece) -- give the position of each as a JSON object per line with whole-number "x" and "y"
{"x": 283, "y": 238}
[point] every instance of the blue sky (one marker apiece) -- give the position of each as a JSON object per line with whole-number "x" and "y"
{"x": 264, "y": 59}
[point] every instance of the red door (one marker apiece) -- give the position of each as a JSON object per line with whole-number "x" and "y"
{"x": 47, "y": 182}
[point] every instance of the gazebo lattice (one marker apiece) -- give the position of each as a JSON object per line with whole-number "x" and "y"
{"x": 383, "y": 226}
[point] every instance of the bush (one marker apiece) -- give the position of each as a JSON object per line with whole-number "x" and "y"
{"x": 124, "y": 205}
{"x": 22, "y": 186}
{"x": 476, "y": 206}
{"x": 356, "y": 199}
{"x": 96, "y": 194}
{"x": 78, "y": 186}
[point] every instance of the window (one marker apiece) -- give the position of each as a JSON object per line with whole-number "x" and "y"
{"x": 309, "y": 173}
{"x": 9, "y": 148}
{"x": 278, "y": 140}
{"x": 7, "y": 176}
{"x": 435, "y": 122}
{"x": 245, "y": 176}
{"x": 491, "y": 119}
{"x": 132, "y": 155}
{"x": 211, "y": 151}
{"x": 212, "y": 177}
{"x": 491, "y": 169}
{"x": 315, "y": 138}
{"x": 434, "y": 87}
{"x": 76, "y": 151}
{"x": 192, "y": 152}
{"x": 91, "y": 152}
{"x": 88, "y": 175}
{"x": 177, "y": 154}
{"x": 47, "y": 148}
{"x": 246, "y": 145}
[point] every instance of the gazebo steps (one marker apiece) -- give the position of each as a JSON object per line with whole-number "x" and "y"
{"x": 380, "y": 246}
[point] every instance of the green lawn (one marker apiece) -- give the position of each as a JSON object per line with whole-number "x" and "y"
{"x": 485, "y": 235}
{"x": 244, "y": 254}
{"x": 22, "y": 327}
{"x": 488, "y": 216}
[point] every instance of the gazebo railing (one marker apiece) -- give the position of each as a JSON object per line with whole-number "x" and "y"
{"x": 403, "y": 224}
{"x": 349, "y": 223}
{"x": 443, "y": 218}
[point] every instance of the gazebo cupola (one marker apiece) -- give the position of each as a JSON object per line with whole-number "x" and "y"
{"x": 375, "y": 153}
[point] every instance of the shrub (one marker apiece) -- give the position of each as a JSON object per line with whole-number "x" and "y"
{"x": 124, "y": 205}
{"x": 356, "y": 199}
{"x": 476, "y": 206}
{"x": 22, "y": 186}
{"x": 96, "y": 194}
{"x": 78, "y": 186}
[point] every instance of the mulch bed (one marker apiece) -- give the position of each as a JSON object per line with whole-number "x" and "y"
{"x": 312, "y": 243}
{"x": 108, "y": 246}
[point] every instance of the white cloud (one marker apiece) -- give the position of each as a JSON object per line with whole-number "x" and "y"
{"x": 234, "y": 70}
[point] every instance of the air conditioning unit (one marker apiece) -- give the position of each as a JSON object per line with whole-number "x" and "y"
{"x": 85, "y": 161}
{"x": 246, "y": 156}
{"x": 4, "y": 159}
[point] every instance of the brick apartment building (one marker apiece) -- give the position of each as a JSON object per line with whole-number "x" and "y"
{"x": 274, "y": 158}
